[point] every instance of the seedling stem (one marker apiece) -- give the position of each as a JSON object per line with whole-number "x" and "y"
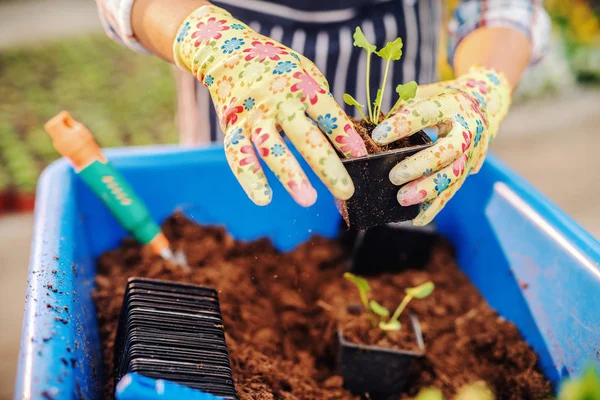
{"x": 367, "y": 81}
{"x": 401, "y": 308}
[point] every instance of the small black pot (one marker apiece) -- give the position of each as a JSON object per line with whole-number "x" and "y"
{"x": 374, "y": 202}
{"x": 378, "y": 371}
{"x": 389, "y": 248}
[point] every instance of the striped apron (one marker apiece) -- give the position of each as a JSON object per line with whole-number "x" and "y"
{"x": 322, "y": 31}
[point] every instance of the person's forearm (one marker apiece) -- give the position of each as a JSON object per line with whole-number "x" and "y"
{"x": 156, "y": 22}
{"x": 504, "y": 49}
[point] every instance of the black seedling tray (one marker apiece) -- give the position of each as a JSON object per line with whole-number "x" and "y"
{"x": 174, "y": 331}
{"x": 374, "y": 201}
{"x": 378, "y": 371}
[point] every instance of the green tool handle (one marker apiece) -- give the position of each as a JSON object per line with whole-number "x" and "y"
{"x": 110, "y": 186}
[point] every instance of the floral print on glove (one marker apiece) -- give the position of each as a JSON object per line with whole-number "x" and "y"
{"x": 260, "y": 87}
{"x": 467, "y": 113}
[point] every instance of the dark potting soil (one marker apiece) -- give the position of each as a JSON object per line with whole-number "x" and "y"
{"x": 280, "y": 312}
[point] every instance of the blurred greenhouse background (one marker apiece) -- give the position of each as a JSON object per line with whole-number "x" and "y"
{"x": 129, "y": 99}
{"x": 574, "y": 53}
{"x": 126, "y": 100}
{"x": 64, "y": 61}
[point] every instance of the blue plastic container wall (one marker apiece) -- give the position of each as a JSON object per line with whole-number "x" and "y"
{"x": 530, "y": 261}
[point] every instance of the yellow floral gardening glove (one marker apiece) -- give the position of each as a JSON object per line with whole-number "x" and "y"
{"x": 467, "y": 112}
{"x": 259, "y": 87}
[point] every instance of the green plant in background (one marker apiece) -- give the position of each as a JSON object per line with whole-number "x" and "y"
{"x": 392, "y": 51}
{"x": 5, "y": 179}
{"x": 430, "y": 394}
{"x": 475, "y": 391}
{"x": 387, "y": 323}
{"x": 20, "y": 166}
{"x": 585, "y": 387}
{"x": 578, "y": 22}
{"x": 124, "y": 98}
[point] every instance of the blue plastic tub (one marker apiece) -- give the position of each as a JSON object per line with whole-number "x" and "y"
{"x": 531, "y": 262}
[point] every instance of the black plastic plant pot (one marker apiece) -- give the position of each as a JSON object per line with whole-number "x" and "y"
{"x": 378, "y": 371}
{"x": 374, "y": 202}
{"x": 389, "y": 248}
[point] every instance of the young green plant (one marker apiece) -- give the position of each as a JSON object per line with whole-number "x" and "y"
{"x": 584, "y": 387}
{"x": 475, "y": 391}
{"x": 392, "y": 51}
{"x": 387, "y": 323}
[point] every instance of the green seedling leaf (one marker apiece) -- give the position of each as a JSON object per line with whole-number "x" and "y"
{"x": 430, "y": 394}
{"x": 379, "y": 309}
{"x": 421, "y": 291}
{"x": 392, "y": 50}
{"x": 358, "y": 281}
{"x": 407, "y": 91}
{"x": 363, "y": 287}
{"x": 351, "y": 101}
{"x": 361, "y": 41}
{"x": 393, "y": 325}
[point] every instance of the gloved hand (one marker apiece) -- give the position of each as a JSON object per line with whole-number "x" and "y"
{"x": 258, "y": 87}
{"x": 467, "y": 112}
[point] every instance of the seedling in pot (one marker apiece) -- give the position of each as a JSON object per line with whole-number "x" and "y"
{"x": 381, "y": 372}
{"x": 387, "y": 323}
{"x": 374, "y": 201}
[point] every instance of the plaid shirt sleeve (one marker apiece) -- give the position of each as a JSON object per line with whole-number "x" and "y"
{"x": 526, "y": 16}
{"x": 115, "y": 16}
